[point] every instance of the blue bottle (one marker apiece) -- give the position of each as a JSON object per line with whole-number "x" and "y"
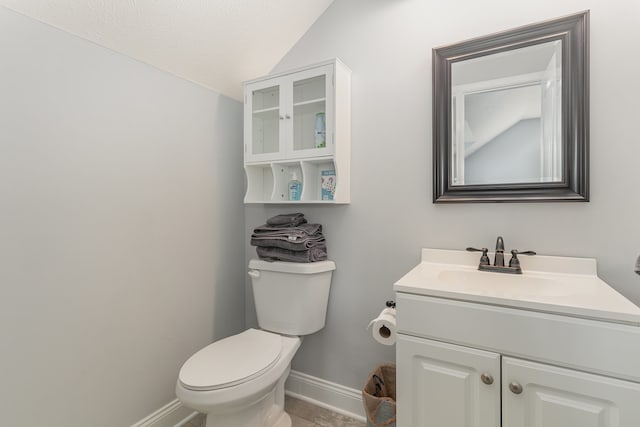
{"x": 295, "y": 187}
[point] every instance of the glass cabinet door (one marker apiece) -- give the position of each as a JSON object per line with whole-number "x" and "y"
{"x": 311, "y": 115}
{"x": 290, "y": 116}
{"x": 265, "y": 120}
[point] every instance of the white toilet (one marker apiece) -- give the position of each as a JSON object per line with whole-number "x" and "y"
{"x": 239, "y": 380}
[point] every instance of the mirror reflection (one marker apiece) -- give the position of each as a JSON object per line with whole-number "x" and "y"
{"x": 506, "y": 111}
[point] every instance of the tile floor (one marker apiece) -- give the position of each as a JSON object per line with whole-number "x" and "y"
{"x": 303, "y": 414}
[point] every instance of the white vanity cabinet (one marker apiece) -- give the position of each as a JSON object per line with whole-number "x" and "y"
{"x": 299, "y": 123}
{"x": 498, "y": 354}
{"x": 441, "y": 384}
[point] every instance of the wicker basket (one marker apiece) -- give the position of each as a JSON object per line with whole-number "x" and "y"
{"x": 379, "y": 396}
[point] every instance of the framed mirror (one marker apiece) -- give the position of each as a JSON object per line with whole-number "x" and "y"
{"x": 511, "y": 115}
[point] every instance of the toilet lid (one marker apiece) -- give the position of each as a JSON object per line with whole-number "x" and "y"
{"x": 231, "y": 361}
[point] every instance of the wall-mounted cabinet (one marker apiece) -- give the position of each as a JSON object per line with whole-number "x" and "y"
{"x": 299, "y": 123}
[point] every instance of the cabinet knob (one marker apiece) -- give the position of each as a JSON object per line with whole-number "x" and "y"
{"x": 515, "y": 388}
{"x": 487, "y": 379}
{"x": 281, "y": 117}
{"x": 287, "y": 116}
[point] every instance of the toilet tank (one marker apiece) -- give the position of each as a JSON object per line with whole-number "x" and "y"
{"x": 291, "y": 297}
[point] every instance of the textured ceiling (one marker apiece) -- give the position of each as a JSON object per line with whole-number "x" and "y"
{"x": 215, "y": 43}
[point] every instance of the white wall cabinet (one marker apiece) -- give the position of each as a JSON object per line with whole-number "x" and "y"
{"x": 283, "y": 136}
{"x": 476, "y": 365}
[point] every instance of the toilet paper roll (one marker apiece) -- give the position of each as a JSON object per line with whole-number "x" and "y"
{"x": 384, "y": 327}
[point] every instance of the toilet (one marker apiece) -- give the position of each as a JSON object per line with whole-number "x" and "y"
{"x": 239, "y": 380}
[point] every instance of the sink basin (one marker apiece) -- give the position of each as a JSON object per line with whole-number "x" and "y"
{"x": 509, "y": 285}
{"x": 561, "y": 285}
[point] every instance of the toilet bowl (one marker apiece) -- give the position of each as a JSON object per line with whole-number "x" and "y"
{"x": 243, "y": 382}
{"x": 239, "y": 380}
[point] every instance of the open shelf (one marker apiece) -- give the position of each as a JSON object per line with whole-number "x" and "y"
{"x": 312, "y": 170}
{"x": 259, "y": 183}
{"x": 282, "y": 174}
{"x": 269, "y": 182}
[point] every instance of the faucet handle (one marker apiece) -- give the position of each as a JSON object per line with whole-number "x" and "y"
{"x": 484, "y": 259}
{"x": 517, "y": 252}
{"x": 514, "y": 261}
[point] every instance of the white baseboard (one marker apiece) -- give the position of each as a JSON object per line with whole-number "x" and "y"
{"x": 335, "y": 397}
{"x": 173, "y": 414}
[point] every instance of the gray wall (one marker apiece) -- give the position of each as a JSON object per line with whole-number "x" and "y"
{"x": 121, "y": 227}
{"x": 377, "y": 238}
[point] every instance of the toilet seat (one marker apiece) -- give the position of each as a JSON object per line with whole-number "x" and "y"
{"x": 231, "y": 361}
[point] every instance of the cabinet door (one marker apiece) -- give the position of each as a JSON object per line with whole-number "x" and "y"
{"x": 290, "y": 117}
{"x": 312, "y": 112}
{"x": 264, "y": 119}
{"x": 444, "y": 385}
{"x": 548, "y": 396}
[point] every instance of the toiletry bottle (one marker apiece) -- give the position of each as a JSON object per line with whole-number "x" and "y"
{"x": 320, "y": 133}
{"x": 295, "y": 187}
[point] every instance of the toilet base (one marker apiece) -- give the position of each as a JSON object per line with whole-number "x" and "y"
{"x": 267, "y": 411}
{"x": 285, "y": 421}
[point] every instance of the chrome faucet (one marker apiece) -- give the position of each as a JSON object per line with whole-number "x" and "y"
{"x": 498, "y": 260}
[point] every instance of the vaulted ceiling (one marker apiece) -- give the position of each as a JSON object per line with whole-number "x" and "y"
{"x": 215, "y": 43}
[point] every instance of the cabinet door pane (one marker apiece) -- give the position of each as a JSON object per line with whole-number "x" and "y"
{"x": 310, "y": 113}
{"x": 558, "y": 397}
{"x": 265, "y": 120}
{"x": 440, "y": 385}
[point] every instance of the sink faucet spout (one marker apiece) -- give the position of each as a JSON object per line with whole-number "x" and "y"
{"x": 499, "y": 257}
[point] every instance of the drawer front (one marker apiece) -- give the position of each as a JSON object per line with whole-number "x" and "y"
{"x": 605, "y": 348}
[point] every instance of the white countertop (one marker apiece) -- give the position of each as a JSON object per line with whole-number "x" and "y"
{"x": 559, "y": 285}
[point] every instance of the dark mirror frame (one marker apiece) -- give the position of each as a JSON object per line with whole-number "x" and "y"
{"x": 573, "y": 32}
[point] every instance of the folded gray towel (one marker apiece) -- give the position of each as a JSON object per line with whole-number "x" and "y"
{"x": 288, "y": 237}
{"x": 278, "y": 254}
{"x": 291, "y": 233}
{"x": 284, "y": 243}
{"x": 287, "y": 220}
{"x": 637, "y": 269}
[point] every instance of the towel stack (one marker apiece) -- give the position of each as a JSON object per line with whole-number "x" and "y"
{"x": 288, "y": 237}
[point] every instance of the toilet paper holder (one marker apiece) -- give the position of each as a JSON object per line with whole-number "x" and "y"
{"x": 384, "y": 326}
